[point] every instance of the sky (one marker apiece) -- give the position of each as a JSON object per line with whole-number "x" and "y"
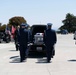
{"x": 37, "y": 11}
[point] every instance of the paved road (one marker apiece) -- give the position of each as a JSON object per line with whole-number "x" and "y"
{"x": 64, "y": 62}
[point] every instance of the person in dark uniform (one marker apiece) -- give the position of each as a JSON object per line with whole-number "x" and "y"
{"x": 16, "y": 37}
{"x": 49, "y": 39}
{"x": 23, "y": 41}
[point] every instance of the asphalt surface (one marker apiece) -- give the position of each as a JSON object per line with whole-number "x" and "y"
{"x": 63, "y": 63}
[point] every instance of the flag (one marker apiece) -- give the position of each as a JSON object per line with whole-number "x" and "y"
{"x": 13, "y": 31}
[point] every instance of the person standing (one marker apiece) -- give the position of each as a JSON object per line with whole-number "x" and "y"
{"x": 23, "y": 41}
{"x": 49, "y": 39}
{"x": 16, "y": 37}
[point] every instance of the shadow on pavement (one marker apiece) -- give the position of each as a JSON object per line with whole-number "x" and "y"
{"x": 15, "y": 59}
{"x": 41, "y": 60}
{"x": 36, "y": 55}
{"x": 12, "y": 50}
{"x": 72, "y": 60}
{"x": 39, "y": 56}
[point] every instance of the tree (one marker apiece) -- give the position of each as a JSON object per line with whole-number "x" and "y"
{"x": 15, "y": 21}
{"x": 69, "y": 23}
{"x": 2, "y": 28}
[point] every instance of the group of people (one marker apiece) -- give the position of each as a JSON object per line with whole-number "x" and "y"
{"x": 22, "y": 39}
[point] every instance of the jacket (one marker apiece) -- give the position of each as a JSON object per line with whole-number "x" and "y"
{"x": 50, "y": 37}
{"x": 23, "y": 37}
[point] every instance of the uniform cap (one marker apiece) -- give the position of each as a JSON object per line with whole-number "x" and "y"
{"x": 23, "y": 24}
{"x": 49, "y": 24}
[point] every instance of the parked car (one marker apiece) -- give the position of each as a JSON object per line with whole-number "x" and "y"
{"x": 5, "y": 37}
{"x": 64, "y": 31}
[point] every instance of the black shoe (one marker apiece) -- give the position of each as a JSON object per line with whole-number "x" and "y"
{"x": 51, "y": 56}
{"x": 48, "y": 61}
{"x": 25, "y": 57}
{"x": 21, "y": 60}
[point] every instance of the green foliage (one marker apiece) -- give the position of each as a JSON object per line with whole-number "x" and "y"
{"x": 2, "y": 28}
{"x": 69, "y": 23}
{"x": 15, "y": 21}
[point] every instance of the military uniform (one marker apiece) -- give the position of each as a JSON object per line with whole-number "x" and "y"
{"x": 49, "y": 40}
{"x": 16, "y": 39}
{"x": 23, "y": 41}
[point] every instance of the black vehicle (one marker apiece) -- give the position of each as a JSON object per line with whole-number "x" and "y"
{"x": 1, "y": 36}
{"x": 37, "y": 32}
{"x": 64, "y": 31}
{"x": 5, "y": 37}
